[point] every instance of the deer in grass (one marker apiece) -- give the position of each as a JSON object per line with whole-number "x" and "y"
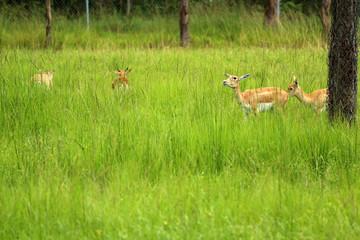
{"x": 256, "y": 100}
{"x": 121, "y": 80}
{"x": 43, "y": 78}
{"x": 318, "y": 99}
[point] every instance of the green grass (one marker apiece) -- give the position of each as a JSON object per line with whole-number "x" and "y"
{"x": 222, "y": 26}
{"x": 172, "y": 158}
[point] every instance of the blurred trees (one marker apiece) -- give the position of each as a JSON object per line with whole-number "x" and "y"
{"x": 48, "y": 22}
{"x": 325, "y": 17}
{"x": 184, "y": 23}
{"x": 270, "y": 17}
{"x": 77, "y": 7}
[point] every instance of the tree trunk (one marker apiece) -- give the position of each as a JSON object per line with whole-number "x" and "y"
{"x": 343, "y": 51}
{"x": 270, "y": 17}
{"x": 184, "y": 24}
{"x": 48, "y": 22}
{"x": 325, "y": 18}
{"x": 128, "y": 7}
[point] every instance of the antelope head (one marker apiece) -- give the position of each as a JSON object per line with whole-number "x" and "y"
{"x": 123, "y": 73}
{"x": 46, "y": 73}
{"x": 293, "y": 88}
{"x": 233, "y": 81}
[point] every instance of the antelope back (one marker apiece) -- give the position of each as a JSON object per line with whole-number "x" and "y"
{"x": 43, "y": 77}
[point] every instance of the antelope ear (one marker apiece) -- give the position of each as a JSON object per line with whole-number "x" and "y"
{"x": 127, "y": 71}
{"x": 294, "y": 78}
{"x": 228, "y": 75}
{"x": 53, "y": 70}
{"x": 39, "y": 70}
{"x": 295, "y": 81}
{"x": 245, "y": 76}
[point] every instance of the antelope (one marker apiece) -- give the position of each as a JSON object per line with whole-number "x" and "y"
{"x": 43, "y": 78}
{"x": 122, "y": 79}
{"x": 318, "y": 99}
{"x": 256, "y": 100}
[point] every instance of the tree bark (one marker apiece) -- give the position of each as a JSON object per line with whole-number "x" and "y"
{"x": 343, "y": 51}
{"x": 128, "y": 7}
{"x": 270, "y": 17}
{"x": 48, "y": 22}
{"x": 325, "y": 18}
{"x": 184, "y": 24}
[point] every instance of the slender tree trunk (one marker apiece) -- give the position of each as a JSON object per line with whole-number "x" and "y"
{"x": 128, "y": 7}
{"x": 48, "y": 22}
{"x": 343, "y": 60}
{"x": 325, "y": 18}
{"x": 184, "y": 24}
{"x": 270, "y": 17}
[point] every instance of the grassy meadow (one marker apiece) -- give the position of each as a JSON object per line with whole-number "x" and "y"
{"x": 173, "y": 157}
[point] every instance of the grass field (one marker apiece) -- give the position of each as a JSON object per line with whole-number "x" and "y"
{"x": 172, "y": 158}
{"x": 223, "y": 26}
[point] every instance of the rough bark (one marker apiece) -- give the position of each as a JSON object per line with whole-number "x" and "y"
{"x": 343, "y": 57}
{"x": 184, "y": 24}
{"x": 270, "y": 17}
{"x": 48, "y": 22}
{"x": 325, "y": 18}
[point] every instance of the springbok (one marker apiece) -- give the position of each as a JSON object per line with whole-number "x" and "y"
{"x": 256, "y": 100}
{"x": 318, "y": 99}
{"x": 122, "y": 80}
{"x": 43, "y": 78}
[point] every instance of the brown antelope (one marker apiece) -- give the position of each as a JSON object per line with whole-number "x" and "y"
{"x": 43, "y": 78}
{"x": 318, "y": 99}
{"x": 256, "y": 100}
{"x": 122, "y": 80}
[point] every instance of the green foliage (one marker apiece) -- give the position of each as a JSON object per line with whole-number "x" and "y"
{"x": 76, "y": 8}
{"x": 291, "y": 7}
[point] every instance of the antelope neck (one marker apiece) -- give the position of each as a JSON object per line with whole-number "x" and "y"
{"x": 304, "y": 97}
{"x": 238, "y": 94}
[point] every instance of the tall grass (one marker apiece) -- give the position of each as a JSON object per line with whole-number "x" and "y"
{"x": 209, "y": 27}
{"x": 173, "y": 157}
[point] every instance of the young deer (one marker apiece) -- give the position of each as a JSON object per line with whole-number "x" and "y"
{"x": 43, "y": 78}
{"x": 122, "y": 80}
{"x": 256, "y": 100}
{"x": 318, "y": 99}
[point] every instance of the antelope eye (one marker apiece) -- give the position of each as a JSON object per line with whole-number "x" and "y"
{"x": 291, "y": 89}
{"x": 235, "y": 78}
